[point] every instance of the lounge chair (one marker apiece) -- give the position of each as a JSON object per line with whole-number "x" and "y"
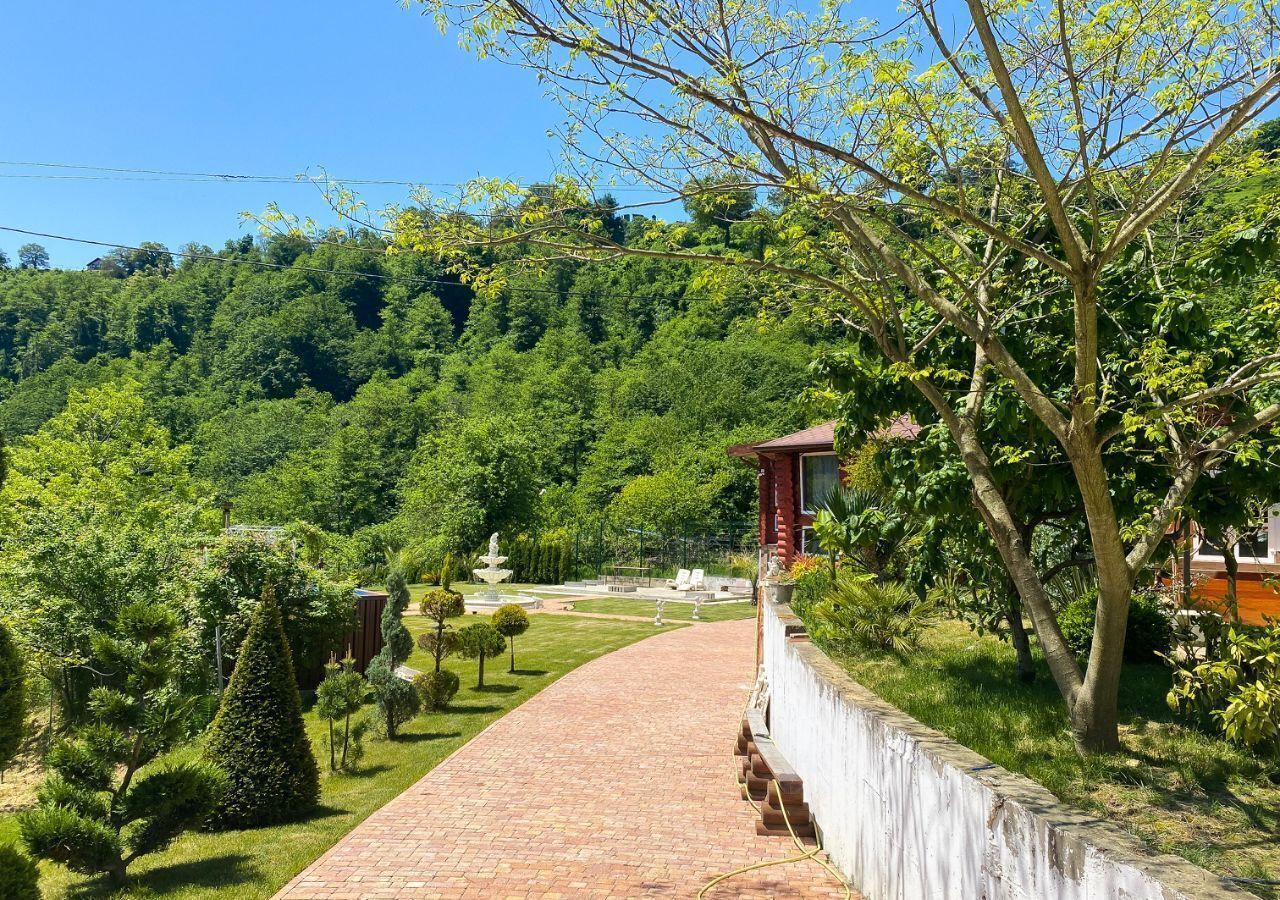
{"x": 680, "y": 582}
{"x": 697, "y": 580}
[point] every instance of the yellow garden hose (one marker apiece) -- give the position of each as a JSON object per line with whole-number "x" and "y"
{"x": 807, "y": 854}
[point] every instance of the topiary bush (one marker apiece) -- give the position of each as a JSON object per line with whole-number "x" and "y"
{"x": 19, "y": 877}
{"x": 510, "y": 621}
{"x": 12, "y": 700}
{"x": 1148, "y": 634}
{"x": 258, "y": 737}
{"x": 397, "y": 643}
{"x": 480, "y": 641}
{"x": 439, "y": 606}
{"x": 436, "y": 689}
{"x": 397, "y": 701}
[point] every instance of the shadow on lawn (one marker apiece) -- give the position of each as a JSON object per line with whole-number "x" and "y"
{"x": 496, "y": 689}
{"x": 418, "y": 738}
{"x": 225, "y": 871}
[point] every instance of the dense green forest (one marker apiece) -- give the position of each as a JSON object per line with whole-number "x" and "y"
{"x": 378, "y": 398}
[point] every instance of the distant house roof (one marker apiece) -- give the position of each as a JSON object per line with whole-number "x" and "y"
{"x": 823, "y": 437}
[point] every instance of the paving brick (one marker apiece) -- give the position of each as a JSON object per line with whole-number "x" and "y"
{"x": 615, "y": 781}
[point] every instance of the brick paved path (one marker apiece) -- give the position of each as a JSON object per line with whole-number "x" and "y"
{"x": 615, "y": 781}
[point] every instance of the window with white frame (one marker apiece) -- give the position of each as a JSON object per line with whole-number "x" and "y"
{"x": 1260, "y": 545}
{"x": 809, "y": 541}
{"x": 819, "y": 475}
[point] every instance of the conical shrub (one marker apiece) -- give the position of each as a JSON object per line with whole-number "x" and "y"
{"x": 258, "y": 737}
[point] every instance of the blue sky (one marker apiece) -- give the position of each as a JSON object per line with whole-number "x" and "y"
{"x": 363, "y": 87}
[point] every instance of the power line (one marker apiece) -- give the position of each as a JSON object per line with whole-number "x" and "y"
{"x": 117, "y": 173}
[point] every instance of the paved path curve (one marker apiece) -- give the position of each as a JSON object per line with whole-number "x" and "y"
{"x": 615, "y": 781}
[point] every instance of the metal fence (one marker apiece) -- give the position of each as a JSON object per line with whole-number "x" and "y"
{"x": 718, "y": 548}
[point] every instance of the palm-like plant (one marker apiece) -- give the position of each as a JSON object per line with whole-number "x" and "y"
{"x": 867, "y": 530}
{"x": 862, "y": 612}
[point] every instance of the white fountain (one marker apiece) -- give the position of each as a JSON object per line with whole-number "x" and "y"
{"x": 492, "y": 575}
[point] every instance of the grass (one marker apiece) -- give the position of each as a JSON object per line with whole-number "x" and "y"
{"x": 679, "y": 612}
{"x": 256, "y": 863}
{"x": 1177, "y": 789}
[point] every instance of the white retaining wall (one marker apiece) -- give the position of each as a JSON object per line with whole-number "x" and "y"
{"x": 908, "y": 814}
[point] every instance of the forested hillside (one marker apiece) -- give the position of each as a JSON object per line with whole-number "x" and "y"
{"x": 374, "y": 395}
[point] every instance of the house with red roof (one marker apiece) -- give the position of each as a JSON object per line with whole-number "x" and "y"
{"x": 796, "y": 472}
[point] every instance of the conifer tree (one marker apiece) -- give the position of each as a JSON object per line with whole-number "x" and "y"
{"x": 258, "y": 737}
{"x": 396, "y": 699}
{"x": 102, "y": 805}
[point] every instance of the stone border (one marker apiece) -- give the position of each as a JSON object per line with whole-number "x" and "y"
{"x": 1071, "y": 838}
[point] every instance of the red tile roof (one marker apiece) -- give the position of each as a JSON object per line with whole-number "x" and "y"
{"x": 823, "y": 437}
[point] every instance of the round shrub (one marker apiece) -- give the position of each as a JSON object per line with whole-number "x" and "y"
{"x": 258, "y": 737}
{"x": 19, "y": 877}
{"x": 1148, "y": 632}
{"x": 510, "y": 621}
{"x": 439, "y": 604}
{"x": 436, "y": 689}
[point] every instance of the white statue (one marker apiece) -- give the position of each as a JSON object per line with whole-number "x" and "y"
{"x": 493, "y": 544}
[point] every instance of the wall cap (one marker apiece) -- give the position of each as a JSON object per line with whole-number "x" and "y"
{"x": 1069, "y": 823}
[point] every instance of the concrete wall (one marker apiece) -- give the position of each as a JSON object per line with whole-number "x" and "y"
{"x": 908, "y": 814}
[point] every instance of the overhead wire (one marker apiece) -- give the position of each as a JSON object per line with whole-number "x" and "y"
{"x": 234, "y": 177}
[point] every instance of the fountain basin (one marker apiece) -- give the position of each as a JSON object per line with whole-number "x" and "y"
{"x": 486, "y": 602}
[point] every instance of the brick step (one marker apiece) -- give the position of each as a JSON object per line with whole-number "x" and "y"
{"x": 790, "y": 794}
{"x": 797, "y": 815}
{"x": 803, "y": 831}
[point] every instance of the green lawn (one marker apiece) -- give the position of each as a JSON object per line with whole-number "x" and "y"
{"x": 254, "y": 864}
{"x": 1179, "y": 790}
{"x": 680, "y": 612}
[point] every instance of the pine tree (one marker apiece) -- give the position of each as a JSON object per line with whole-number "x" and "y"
{"x": 102, "y": 805}
{"x": 258, "y": 737}
{"x": 338, "y": 698}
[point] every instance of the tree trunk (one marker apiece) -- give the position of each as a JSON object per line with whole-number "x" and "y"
{"x": 333, "y": 766}
{"x": 513, "y": 656}
{"x": 1232, "y": 565}
{"x": 1095, "y": 712}
{"x": 1025, "y": 668}
{"x": 480, "y": 678}
{"x": 346, "y": 739}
